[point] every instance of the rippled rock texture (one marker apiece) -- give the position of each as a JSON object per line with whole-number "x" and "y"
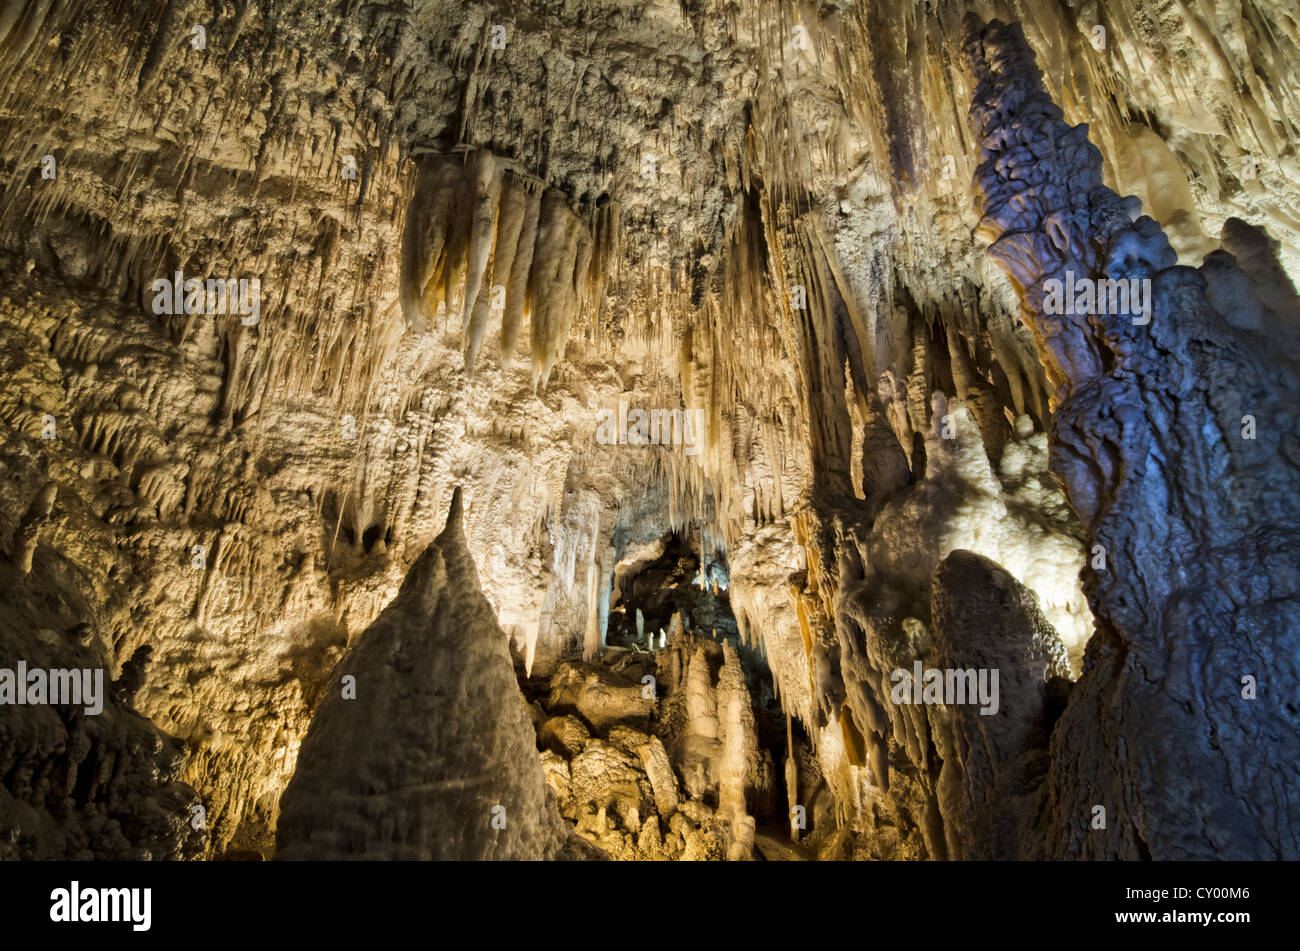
{"x": 445, "y": 245}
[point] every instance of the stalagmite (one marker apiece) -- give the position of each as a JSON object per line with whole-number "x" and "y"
{"x": 739, "y": 766}
{"x": 662, "y": 779}
{"x": 701, "y": 701}
{"x": 985, "y": 621}
{"x": 352, "y": 797}
{"x": 792, "y": 781}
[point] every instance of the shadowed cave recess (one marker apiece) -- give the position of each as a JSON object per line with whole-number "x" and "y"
{"x": 690, "y": 429}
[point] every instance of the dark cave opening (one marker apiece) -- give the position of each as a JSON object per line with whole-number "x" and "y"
{"x": 673, "y": 583}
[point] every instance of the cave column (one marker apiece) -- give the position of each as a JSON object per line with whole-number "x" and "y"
{"x": 1149, "y": 404}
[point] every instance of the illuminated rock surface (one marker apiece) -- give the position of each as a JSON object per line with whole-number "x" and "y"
{"x": 478, "y": 233}
{"x": 433, "y": 757}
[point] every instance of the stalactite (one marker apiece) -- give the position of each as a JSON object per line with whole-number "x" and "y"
{"x": 796, "y": 266}
{"x": 485, "y": 180}
{"x": 521, "y": 269}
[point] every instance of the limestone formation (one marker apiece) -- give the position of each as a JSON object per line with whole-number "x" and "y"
{"x": 430, "y": 665}
{"x": 781, "y": 365}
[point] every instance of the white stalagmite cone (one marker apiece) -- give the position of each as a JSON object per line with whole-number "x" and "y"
{"x": 701, "y": 701}
{"x": 592, "y": 642}
{"x": 739, "y": 751}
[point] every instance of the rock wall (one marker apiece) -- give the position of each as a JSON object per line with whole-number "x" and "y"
{"x": 1153, "y": 436}
{"x": 476, "y": 228}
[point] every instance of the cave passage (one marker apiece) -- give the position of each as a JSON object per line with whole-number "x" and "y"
{"x": 685, "y": 696}
{"x": 636, "y": 429}
{"x": 673, "y": 583}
